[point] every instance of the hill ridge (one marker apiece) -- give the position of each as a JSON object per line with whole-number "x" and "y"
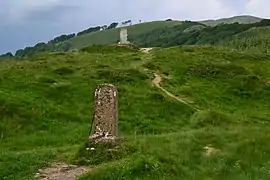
{"x": 93, "y": 35}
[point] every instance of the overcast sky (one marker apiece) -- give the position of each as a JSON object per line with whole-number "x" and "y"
{"x": 27, "y": 22}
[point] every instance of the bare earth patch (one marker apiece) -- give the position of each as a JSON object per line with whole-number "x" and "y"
{"x": 62, "y": 171}
{"x": 209, "y": 150}
{"x": 146, "y": 50}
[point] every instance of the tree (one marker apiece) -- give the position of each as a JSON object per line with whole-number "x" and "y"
{"x": 6, "y": 55}
{"x": 62, "y": 38}
{"x": 113, "y": 25}
{"x": 127, "y": 22}
{"x": 89, "y": 30}
{"x": 64, "y": 47}
{"x": 104, "y": 27}
{"x": 19, "y": 53}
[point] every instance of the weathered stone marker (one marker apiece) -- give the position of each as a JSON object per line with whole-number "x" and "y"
{"x": 124, "y": 36}
{"x": 105, "y": 116}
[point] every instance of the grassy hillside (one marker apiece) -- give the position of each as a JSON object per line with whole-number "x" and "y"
{"x": 192, "y": 33}
{"x": 46, "y": 107}
{"x": 253, "y": 40}
{"x": 112, "y": 36}
{"x": 231, "y": 20}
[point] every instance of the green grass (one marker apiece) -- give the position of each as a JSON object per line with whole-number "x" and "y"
{"x": 46, "y": 109}
{"x": 111, "y": 36}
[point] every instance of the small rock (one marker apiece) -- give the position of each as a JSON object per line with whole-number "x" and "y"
{"x": 73, "y": 166}
{"x": 64, "y": 168}
{"x": 42, "y": 176}
{"x": 37, "y": 175}
{"x": 209, "y": 150}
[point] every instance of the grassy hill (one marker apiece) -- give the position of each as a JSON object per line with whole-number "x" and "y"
{"x": 242, "y": 37}
{"x": 46, "y": 108}
{"x": 240, "y": 19}
{"x": 253, "y": 40}
{"x": 112, "y": 36}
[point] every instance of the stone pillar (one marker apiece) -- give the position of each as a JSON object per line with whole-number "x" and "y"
{"x": 124, "y": 36}
{"x": 105, "y": 115}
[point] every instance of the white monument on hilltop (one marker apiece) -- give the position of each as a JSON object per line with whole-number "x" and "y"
{"x": 123, "y": 36}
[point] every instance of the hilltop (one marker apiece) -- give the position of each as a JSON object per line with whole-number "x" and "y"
{"x": 244, "y": 19}
{"x": 218, "y": 130}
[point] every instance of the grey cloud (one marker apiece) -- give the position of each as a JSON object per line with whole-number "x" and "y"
{"x": 55, "y": 14}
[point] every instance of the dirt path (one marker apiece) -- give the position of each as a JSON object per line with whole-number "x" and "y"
{"x": 62, "y": 171}
{"x": 146, "y": 50}
{"x": 157, "y": 80}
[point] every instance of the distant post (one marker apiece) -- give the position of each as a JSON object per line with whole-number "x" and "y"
{"x": 105, "y": 115}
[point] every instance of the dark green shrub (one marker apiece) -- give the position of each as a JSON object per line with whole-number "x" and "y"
{"x": 209, "y": 118}
{"x": 247, "y": 86}
{"x": 108, "y": 49}
{"x": 63, "y": 71}
{"x": 216, "y": 70}
{"x": 47, "y": 80}
{"x": 114, "y": 75}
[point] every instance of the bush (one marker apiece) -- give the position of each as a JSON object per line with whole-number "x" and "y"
{"x": 108, "y": 49}
{"x": 209, "y": 118}
{"x": 151, "y": 66}
{"x": 247, "y": 86}
{"x": 63, "y": 71}
{"x": 47, "y": 80}
{"x": 216, "y": 70}
{"x": 117, "y": 76}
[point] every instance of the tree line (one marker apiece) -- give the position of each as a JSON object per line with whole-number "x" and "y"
{"x": 58, "y": 44}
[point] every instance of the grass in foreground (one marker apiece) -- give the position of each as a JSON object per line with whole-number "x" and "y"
{"x": 46, "y": 106}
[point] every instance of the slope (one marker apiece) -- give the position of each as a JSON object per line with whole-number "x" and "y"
{"x": 253, "y": 40}
{"x": 45, "y": 105}
{"x": 245, "y": 19}
{"x": 190, "y": 33}
{"x": 112, "y": 36}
